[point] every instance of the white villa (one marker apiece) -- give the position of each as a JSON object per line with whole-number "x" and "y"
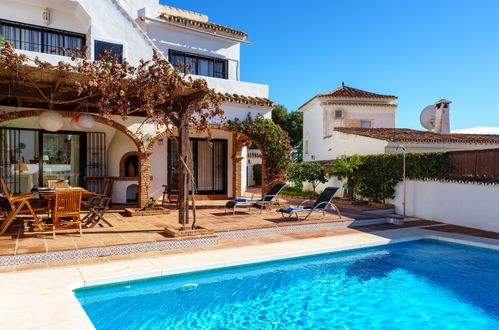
{"x": 349, "y": 121}
{"x": 131, "y": 29}
{"x": 343, "y": 107}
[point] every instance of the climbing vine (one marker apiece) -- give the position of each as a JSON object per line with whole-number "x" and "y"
{"x": 273, "y": 142}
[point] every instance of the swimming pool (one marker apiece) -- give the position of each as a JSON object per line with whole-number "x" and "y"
{"x": 419, "y": 284}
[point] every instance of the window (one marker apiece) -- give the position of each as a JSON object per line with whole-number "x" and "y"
{"x": 365, "y": 123}
{"x": 200, "y": 65}
{"x": 338, "y": 113}
{"x": 114, "y": 49}
{"x": 305, "y": 147}
{"x": 40, "y": 39}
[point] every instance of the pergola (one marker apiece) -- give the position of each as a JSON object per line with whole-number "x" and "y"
{"x": 25, "y": 86}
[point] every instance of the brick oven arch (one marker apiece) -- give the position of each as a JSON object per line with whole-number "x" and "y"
{"x": 123, "y": 167}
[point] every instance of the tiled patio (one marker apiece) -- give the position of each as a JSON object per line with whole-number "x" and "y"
{"x": 135, "y": 231}
{"x": 140, "y": 229}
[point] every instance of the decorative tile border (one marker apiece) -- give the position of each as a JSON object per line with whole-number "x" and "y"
{"x": 34, "y": 258}
{"x": 46, "y": 257}
{"x": 299, "y": 228}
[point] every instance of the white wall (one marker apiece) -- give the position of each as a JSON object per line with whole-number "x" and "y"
{"x": 380, "y": 117}
{"x": 140, "y": 7}
{"x": 463, "y": 204}
{"x": 342, "y": 144}
{"x": 312, "y": 132}
{"x": 236, "y": 87}
{"x": 159, "y": 166}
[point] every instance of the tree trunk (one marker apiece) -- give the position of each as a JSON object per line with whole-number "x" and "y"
{"x": 183, "y": 177}
{"x": 350, "y": 189}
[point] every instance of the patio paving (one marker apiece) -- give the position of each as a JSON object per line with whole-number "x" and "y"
{"x": 140, "y": 229}
{"x": 149, "y": 229}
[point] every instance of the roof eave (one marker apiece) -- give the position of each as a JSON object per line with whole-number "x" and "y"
{"x": 231, "y": 34}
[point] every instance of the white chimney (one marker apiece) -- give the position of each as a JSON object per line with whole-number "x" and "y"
{"x": 442, "y": 122}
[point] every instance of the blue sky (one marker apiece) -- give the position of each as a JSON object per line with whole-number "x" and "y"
{"x": 418, "y": 50}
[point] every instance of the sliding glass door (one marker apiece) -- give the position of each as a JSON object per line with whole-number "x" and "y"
{"x": 28, "y": 158}
{"x": 209, "y": 165}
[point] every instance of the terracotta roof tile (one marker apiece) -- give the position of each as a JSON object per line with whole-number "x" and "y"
{"x": 346, "y": 91}
{"x": 237, "y": 98}
{"x": 204, "y": 26}
{"x": 359, "y": 104}
{"x": 410, "y": 135}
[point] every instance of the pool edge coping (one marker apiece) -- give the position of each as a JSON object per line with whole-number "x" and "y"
{"x": 314, "y": 247}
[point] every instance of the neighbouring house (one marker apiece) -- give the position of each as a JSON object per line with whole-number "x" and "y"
{"x": 349, "y": 121}
{"x": 343, "y": 107}
{"x": 357, "y": 122}
{"x": 130, "y": 29}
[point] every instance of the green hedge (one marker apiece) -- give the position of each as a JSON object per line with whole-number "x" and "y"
{"x": 378, "y": 175}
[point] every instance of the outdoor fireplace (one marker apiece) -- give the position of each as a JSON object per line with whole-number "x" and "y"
{"x": 129, "y": 165}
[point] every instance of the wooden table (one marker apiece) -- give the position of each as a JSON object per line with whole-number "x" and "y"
{"x": 50, "y": 194}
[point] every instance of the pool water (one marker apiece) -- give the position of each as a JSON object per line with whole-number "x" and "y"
{"x": 423, "y": 284}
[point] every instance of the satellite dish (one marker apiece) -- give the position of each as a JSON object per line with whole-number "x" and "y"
{"x": 427, "y": 117}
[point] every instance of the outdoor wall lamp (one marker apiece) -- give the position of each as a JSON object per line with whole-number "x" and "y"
{"x": 46, "y": 16}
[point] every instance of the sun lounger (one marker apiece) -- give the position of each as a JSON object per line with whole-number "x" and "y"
{"x": 321, "y": 204}
{"x": 269, "y": 198}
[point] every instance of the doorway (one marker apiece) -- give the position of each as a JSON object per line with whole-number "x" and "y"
{"x": 209, "y": 165}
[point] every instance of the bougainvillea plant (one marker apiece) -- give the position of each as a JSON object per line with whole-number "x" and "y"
{"x": 272, "y": 140}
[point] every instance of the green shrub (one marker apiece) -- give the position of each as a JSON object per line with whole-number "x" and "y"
{"x": 344, "y": 169}
{"x": 312, "y": 172}
{"x": 377, "y": 175}
{"x": 257, "y": 174}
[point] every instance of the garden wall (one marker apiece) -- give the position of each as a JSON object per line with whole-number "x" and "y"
{"x": 463, "y": 204}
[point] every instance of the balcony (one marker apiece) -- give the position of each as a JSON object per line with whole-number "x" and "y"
{"x": 236, "y": 87}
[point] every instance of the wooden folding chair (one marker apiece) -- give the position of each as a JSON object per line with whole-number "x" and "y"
{"x": 67, "y": 206}
{"x": 17, "y": 202}
{"x": 98, "y": 204}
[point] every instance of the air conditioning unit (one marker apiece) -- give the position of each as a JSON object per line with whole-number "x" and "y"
{"x": 338, "y": 114}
